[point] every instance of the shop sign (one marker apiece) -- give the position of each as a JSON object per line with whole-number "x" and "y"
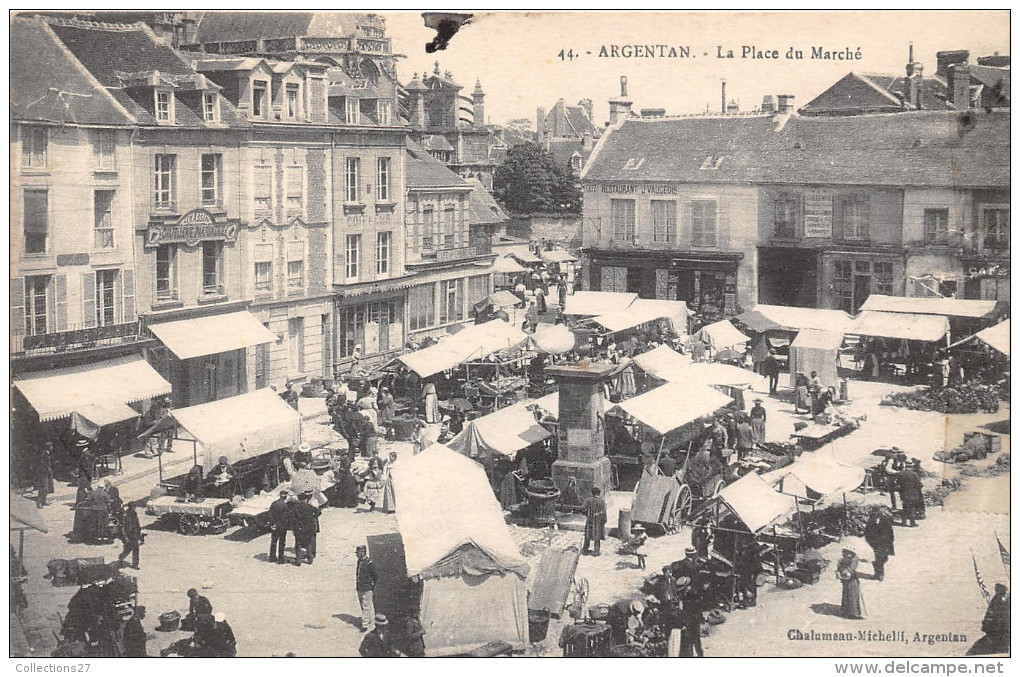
{"x": 196, "y": 226}
{"x": 632, "y": 188}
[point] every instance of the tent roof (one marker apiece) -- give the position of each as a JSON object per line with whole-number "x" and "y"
{"x": 557, "y": 256}
{"x": 722, "y": 334}
{"x": 931, "y": 306}
{"x": 900, "y": 325}
{"x": 507, "y": 264}
{"x": 526, "y": 257}
{"x": 505, "y": 431}
{"x": 597, "y": 302}
{"x": 764, "y": 318}
{"x": 715, "y": 374}
{"x": 503, "y": 299}
{"x": 24, "y": 513}
{"x": 997, "y": 337}
{"x": 817, "y": 338}
{"x": 471, "y": 343}
{"x": 444, "y": 501}
{"x": 664, "y": 363}
{"x": 819, "y": 473}
{"x": 198, "y": 336}
{"x": 554, "y": 339}
{"x": 645, "y": 310}
{"x": 670, "y": 406}
{"x": 755, "y": 503}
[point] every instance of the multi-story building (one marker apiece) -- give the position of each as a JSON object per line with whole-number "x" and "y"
{"x": 568, "y": 133}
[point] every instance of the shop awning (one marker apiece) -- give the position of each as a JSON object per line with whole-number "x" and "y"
{"x": 997, "y": 337}
{"x": 554, "y": 339}
{"x": 969, "y": 308}
{"x": 505, "y": 431}
{"x": 720, "y": 335}
{"x": 557, "y": 256}
{"x": 597, "y": 302}
{"x": 668, "y": 407}
{"x": 212, "y": 334}
{"x": 907, "y": 326}
{"x": 508, "y": 265}
{"x": 755, "y": 503}
{"x": 503, "y": 299}
{"x": 764, "y": 318}
{"x": 642, "y": 311}
{"x": 664, "y": 363}
{"x": 89, "y": 419}
{"x": 239, "y": 427}
{"x": 817, "y": 338}
{"x": 57, "y": 393}
{"x": 471, "y": 343}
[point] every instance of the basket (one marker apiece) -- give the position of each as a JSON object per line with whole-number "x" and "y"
{"x": 538, "y": 624}
{"x": 169, "y": 621}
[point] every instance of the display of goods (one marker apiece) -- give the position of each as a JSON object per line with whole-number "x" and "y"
{"x": 833, "y": 520}
{"x": 937, "y": 494}
{"x": 966, "y": 398}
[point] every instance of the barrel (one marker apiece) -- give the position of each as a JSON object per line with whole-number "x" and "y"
{"x": 844, "y": 394}
{"x": 538, "y": 624}
{"x": 623, "y": 526}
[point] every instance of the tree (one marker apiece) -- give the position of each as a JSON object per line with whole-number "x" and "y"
{"x": 530, "y": 181}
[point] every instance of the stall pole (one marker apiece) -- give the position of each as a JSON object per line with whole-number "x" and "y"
{"x": 21, "y": 545}
{"x": 779, "y": 565}
{"x": 846, "y": 514}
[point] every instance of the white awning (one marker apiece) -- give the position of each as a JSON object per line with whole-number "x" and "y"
{"x": 664, "y": 363}
{"x": 505, "y": 431}
{"x": 212, "y": 334}
{"x": 755, "y": 503}
{"x": 642, "y": 311}
{"x": 723, "y": 334}
{"x": 597, "y": 302}
{"x": 471, "y": 343}
{"x": 930, "y": 306}
{"x": 817, "y": 338}
{"x": 997, "y": 337}
{"x": 819, "y": 473}
{"x": 507, "y": 265}
{"x": 239, "y": 427}
{"x": 907, "y": 326}
{"x": 57, "y": 393}
{"x": 764, "y": 318}
{"x": 503, "y": 299}
{"x": 554, "y": 339}
{"x": 668, "y": 407}
{"x": 557, "y": 256}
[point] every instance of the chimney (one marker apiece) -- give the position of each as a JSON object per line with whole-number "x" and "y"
{"x": 768, "y": 104}
{"x": 910, "y": 60}
{"x": 995, "y": 61}
{"x": 539, "y": 122}
{"x": 943, "y": 60}
{"x": 914, "y": 84}
{"x": 619, "y": 109}
{"x": 732, "y": 107}
{"x": 722, "y": 106}
{"x": 478, "y": 105}
{"x": 959, "y": 85}
{"x": 587, "y": 141}
{"x": 785, "y": 104}
{"x": 588, "y": 107}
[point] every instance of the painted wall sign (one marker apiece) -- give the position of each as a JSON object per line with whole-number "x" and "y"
{"x": 73, "y": 259}
{"x": 632, "y": 188}
{"x": 196, "y": 226}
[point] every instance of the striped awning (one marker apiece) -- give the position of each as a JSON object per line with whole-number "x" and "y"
{"x": 88, "y": 388}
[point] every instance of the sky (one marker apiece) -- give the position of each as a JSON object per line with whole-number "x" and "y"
{"x": 516, "y": 54}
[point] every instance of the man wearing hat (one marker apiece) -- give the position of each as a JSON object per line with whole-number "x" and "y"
{"x": 221, "y": 477}
{"x": 303, "y": 454}
{"x": 758, "y": 416}
{"x": 595, "y": 522}
{"x": 304, "y": 522}
{"x": 43, "y": 474}
{"x": 86, "y": 460}
{"x": 365, "y": 578}
{"x": 376, "y": 643}
{"x": 691, "y": 617}
{"x": 130, "y": 534}
{"x": 278, "y": 523}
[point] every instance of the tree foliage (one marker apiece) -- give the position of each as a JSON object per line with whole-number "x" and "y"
{"x": 530, "y": 181}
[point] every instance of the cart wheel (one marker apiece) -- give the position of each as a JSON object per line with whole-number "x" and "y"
{"x": 189, "y": 525}
{"x": 681, "y": 509}
{"x": 719, "y": 486}
{"x": 581, "y": 592}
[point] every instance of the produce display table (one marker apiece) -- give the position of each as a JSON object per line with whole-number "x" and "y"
{"x": 192, "y": 517}
{"x": 816, "y": 435}
{"x": 253, "y": 513}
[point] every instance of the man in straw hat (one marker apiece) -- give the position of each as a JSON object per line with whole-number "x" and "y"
{"x": 376, "y": 643}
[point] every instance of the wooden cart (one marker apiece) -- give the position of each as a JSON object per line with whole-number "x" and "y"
{"x": 191, "y": 517}
{"x": 660, "y": 501}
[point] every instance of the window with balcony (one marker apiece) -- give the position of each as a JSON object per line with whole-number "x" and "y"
{"x": 165, "y": 187}
{"x": 622, "y": 213}
{"x": 36, "y": 304}
{"x": 382, "y": 253}
{"x": 936, "y": 225}
{"x": 352, "y": 110}
{"x": 295, "y": 266}
{"x": 384, "y": 111}
{"x": 995, "y": 225}
{"x": 212, "y": 267}
{"x": 428, "y": 224}
{"x": 352, "y": 179}
{"x": 786, "y": 217}
{"x": 37, "y": 221}
{"x": 451, "y": 295}
{"x": 103, "y": 155}
{"x": 34, "y": 146}
{"x": 703, "y": 223}
{"x": 104, "y": 219}
{"x": 294, "y": 193}
{"x": 210, "y": 107}
{"x": 106, "y": 285}
{"x": 293, "y": 98}
{"x": 421, "y": 306}
{"x": 260, "y": 99}
{"x": 166, "y": 272}
{"x": 856, "y": 218}
{"x": 262, "y": 176}
{"x": 264, "y": 268}
{"x": 353, "y": 259}
{"x": 164, "y": 106}
{"x": 382, "y": 180}
{"x": 664, "y": 221}
{"x": 212, "y": 180}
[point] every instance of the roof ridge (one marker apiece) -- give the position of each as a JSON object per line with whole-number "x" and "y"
{"x": 91, "y": 24}
{"x": 881, "y": 90}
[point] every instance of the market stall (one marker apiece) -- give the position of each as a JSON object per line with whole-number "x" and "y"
{"x": 457, "y": 543}
{"x": 965, "y": 316}
{"x": 671, "y": 315}
{"x": 722, "y": 335}
{"x": 506, "y": 431}
{"x": 594, "y": 303}
{"x": 996, "y": 337}
{"x": 471, "y": 343}
{"x": 815, "y": 476}
{"x": 764, "y": 319}
{"x": 817, "y": 350}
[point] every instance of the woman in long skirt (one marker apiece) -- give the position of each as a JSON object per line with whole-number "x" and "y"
{"x": 389, "y": 497}
{"x": 803, "y": 400}
{"x": 846, "y": 572}
{"x": 431, "y": 404}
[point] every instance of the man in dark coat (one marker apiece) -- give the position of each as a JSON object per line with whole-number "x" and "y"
{"x": 130, "y": 534}
{"x": 691, "y": 616}
{"x": 595, "y": 522}
{"x": 43, "y": 474}
{"x": 365, "y": 578}
{"x": 376, "y": 643}
{"x": 134, "y": 635}
{"x": 304, "y": 522}
{"x": 911, "y": 496}
{"x": 878, "y": 532}
{"x": 278, "y": 523}
{"x": 771, "y": 368}
{"x": 81, "y": 531}
{"x": 97, "y": 511}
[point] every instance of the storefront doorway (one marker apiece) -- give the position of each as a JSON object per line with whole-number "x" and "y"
{"x": 787, "y": 277}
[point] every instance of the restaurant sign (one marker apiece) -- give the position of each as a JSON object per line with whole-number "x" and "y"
{"x": 196, "y": 226}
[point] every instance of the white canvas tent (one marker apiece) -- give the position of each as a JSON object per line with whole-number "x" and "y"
{"x": 816, "y": 473}
{"x": 817, "y": 350}
{"x": 909, "y": 326}
{"x": 471, "y": 343}
{"x": 592, "y": 303}
{"x": 723, "y": 334}
{"x": 505, "y": 431}
{"x": 643, "y": 311}
{"x": 755, "y": 503}
{"x": 456, "y": 540}
{"x": 996, "y": 337}
{"x": 764, "y": 318}
{"x": 668, "y": 407}
{"x": 947, "y": 307}
{"x": 666, "y": 364}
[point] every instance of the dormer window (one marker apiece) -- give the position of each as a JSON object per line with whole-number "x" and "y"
{"x": 293, "y": 97}
{"x": 259, "y": 98}
{"x": 164, "y": 106}
{"x": 712, "y": 162}
{"x": 210, "y": 107}
{"x": 384, "y": 109}
{"x": 633, "y": 164}
{"x": 352, "y": 110}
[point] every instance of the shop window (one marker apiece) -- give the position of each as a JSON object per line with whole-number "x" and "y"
{"x": 352, "y": 329}
{"x": 622, "y": 213}
{"x": 843, "y": 285}
{"x": 995, "y": 224}
{"x": 703, "y": 223}
{"x": 36, "y": 304}
{"x": 664, "y": 221}
{"x": 856, "y": 218}
{"x": 421, "y": 306}
{"x": 936, "y": 225}
{"x": 451, "y": 296}
{"x": 786, "y": 218}
{"x": 166, "y": 272}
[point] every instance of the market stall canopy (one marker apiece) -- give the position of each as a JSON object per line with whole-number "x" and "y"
{"x": 670, "y": 406}
{"x": 723, "y": 334}
{"x": 108, "y": 385}
{"x": 557, "y": 256}
{"x": 642, "y": 311}
{"x": 968, "y": 308}
{"x": 505, "y": 431}
{"x": 996, "y": 337}
{"x": 88, "y": 420}
{"x": 445, "y": 502}
{"x": 239, "y": 427}
{"x": 526, "y": 257}
{"x": 714, "y": 374}
{"x": 472, "y": 343}
{"x": 763, "y": 318}
{"x": 24, "y": 513}
{"x": 504, "y": 299}
{"x": 907, "y": 326}
{"x": 507, "y": 265}
{"x": 664, "y": 363}
{"x": 816, "y": 350}
{"x": 554, "y": 339}
{"x": 199, "y": 336}
{"x": 755, "y": 503}
{"x": 593, "y": 303}
{"x": 816, "y": 472}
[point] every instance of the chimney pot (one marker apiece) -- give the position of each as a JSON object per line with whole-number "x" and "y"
{"x": 785, "y": 104}
{"x": 723, "y": 98}
{"x": 623, "y": 86}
